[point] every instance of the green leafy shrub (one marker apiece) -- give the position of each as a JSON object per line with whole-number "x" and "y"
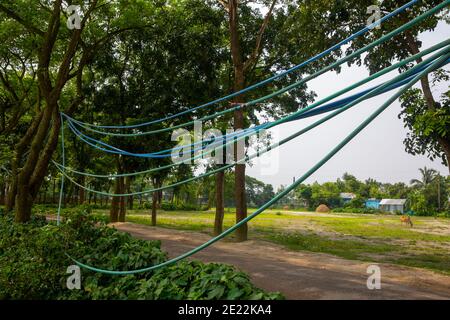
{"x": 167, "y": 206}
{"x": 357, "y": 202}
{"x": 186, "y": 280}
{"x": 33, "y": 264}
{"x": 419, "y": 204}
{"x": 355, "y": 210}
{"x": 145, "y": 205}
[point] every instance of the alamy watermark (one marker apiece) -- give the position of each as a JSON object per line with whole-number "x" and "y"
{"x": 74, "y": 19}
{"x": 225, "y": 147}
{"x": 74, "y": 280}
{"x": 374, "y": 280}
{"x": 229, "y": 147}
{"x": 375, "y": 15}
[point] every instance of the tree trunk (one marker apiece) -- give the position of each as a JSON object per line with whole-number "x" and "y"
{"x": 114, "y": 211}
{"x": 81, "y": 191}
{"x": 445, "y": 144}
{"x": 159, "y": 196}
{"x": 239, "y": 193}
{"x": 123, "y": 207}
{"x": 130, "y": 199}
{"x": 2, "y": 193}
{"x": 74, "y": 199}
{"x": 54, "y": 191}
{"x": 41, "y": 139}
{"x": 19, "y": 151}
{"x": 44, "y": 200}
{"x": 239, "y": 83}
{"x": 220, "y": 186}
{"x": 23, "y": 203}
{"x": 65, "y": 195}
{"x": 130, "y": 202}
{"x": 32, "y": 174}
{"x": 154, "y": 206}
{"x": 10, "y": 198}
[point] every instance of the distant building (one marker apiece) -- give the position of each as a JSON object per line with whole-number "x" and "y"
{"x": 393, "y": 205}
{"x": 292, "y": 203}
{"x": 347, "y": 196}
{"x": 372, "y": 203}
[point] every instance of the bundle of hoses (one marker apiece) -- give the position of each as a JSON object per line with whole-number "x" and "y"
{"x": 405, "y": 80}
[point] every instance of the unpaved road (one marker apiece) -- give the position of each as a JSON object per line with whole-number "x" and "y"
{"x": 300, "y": 275}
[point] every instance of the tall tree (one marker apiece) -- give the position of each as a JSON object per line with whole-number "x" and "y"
{"x": 152, "y": 73}
{"x": 267, "y": 36}
{"x": 58, "y": 56}
{"x": 427, "y": 176}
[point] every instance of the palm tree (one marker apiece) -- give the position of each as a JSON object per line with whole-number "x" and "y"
{"x": 428, "y": 176}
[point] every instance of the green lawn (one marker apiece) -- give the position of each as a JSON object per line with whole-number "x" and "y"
{"x": 368, "y": 237}
{"x": 379, "y": 238}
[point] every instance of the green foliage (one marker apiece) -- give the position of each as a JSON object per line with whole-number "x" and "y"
{"x": 327, "y": 193}
{"x": 355, "y": 210}
{"x": 305, "y": 192}
{"x": 257, "y": 191}
{"x": 174, "y": 206}
{"x": 357, "y": 203}
{"x": 426, "y": 195}
{"x": 419, "y": 204}
{"x": 167, "y": 206}
{"x": 33, "y": 265}
{"x": 348, "y": 249}
{"x": 194, "y": 280}
{"x": 429, "y": 194}
{"x": 426, "y": 126}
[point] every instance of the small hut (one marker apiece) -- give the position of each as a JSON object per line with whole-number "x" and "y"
{"x": 393, "y": 205}
{"x": 323, "y": 208}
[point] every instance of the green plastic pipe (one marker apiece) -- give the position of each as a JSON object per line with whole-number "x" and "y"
{"x": 339, "y": 93}
{"x": 384, "y": 38}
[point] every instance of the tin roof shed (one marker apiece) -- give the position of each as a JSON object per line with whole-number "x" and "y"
{"x": 398, "y": 202}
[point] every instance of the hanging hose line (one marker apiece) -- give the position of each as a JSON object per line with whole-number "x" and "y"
{"x": 222, "y": 168}
{"x": 273, "y": 78}
{"x": 324, "y": 160}
{"x": 349, "y": 88}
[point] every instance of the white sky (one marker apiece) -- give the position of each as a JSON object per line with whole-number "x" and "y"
{"x": 377, "y": 152}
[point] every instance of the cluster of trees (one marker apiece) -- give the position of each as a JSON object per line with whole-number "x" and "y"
{"x": 196, "y": 195}
{"x": 430, "y": 193}
{"x": 427, "y": 195}
{"x": 134, "y": 61}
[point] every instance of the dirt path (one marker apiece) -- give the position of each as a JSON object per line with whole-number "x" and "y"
{"x": 301, "y": 275}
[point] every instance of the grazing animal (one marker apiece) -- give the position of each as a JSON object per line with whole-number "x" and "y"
{"x": 407, "y": 220}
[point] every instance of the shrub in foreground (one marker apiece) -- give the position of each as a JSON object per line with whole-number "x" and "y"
{"x": 33, "y": 264}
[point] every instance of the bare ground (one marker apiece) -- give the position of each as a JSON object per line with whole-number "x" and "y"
{"x": 300, "y": 275}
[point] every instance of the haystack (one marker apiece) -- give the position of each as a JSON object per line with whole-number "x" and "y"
{"x": 323, "y": 208}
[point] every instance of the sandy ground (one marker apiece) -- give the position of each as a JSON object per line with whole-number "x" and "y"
{"x": 301, "y": 275}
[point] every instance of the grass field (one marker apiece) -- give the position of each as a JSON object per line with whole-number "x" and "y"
{"x": 377, "y": 238}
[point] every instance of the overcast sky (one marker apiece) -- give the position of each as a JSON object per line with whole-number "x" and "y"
{"x": 377, "y": 152}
